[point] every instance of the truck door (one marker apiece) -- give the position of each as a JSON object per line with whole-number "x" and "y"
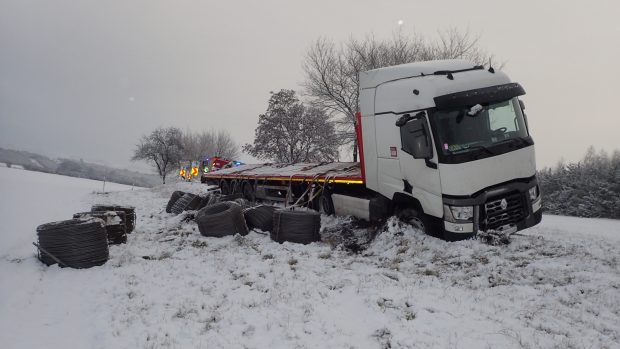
{"x": 420, "y": 175}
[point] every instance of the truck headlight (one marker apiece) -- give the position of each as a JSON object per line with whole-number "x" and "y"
{"x": 533, "y": 193}
{"x": 458, "y": 213}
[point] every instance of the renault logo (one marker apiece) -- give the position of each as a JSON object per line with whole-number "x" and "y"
{"x": 504, "y": 204}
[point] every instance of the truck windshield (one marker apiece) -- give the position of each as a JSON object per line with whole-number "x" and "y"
{"x": 480, "y": 130}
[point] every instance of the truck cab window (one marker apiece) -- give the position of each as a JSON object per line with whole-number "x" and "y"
{"x": 503, "y": 116}
{"x": 489, "y": 129}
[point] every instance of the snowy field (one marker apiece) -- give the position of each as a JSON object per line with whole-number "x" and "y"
{"x": 554, "y": 286}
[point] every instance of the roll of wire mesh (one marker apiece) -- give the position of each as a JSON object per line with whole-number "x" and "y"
{"x": 130, "y": 214}
{"x": 296, "y": 226}
{"x": 115, "y": 224}
{"x": 77, "y": 243}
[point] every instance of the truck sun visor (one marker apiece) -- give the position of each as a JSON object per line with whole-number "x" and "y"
{"x": 478, "y": 96}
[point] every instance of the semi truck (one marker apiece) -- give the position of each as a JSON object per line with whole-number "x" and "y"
{"x": 444, "y": 145}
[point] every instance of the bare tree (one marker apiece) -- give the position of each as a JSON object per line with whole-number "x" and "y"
{"x": 332, "y": 71}
{"x": 225, "y": 146}
{"x": 209, "y": 143}
{"x": 291, "y": 132}
{"x": 163, "y": 148}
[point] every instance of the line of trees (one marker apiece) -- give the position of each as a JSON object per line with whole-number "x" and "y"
{"x": 165, "y": 148}
{"x": 588, "y": 188}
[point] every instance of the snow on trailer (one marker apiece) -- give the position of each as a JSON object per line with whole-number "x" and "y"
{"x": 336, "y": 172}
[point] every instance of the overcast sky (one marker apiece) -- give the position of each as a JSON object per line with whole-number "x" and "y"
{"x": 88, "y": 78}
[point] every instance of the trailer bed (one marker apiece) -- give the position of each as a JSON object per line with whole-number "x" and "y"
{"x": 332, "y": 172}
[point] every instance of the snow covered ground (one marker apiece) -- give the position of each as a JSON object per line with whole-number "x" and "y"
{"x": 554, "y": 286}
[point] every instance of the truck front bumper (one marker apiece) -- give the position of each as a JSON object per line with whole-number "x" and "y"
{"x": 505, "y": 207}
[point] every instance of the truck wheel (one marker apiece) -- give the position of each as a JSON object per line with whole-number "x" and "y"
{"x": 416, "y": 219}
{"x": 225, "y": 187}
{"x": 326, "y": 205}
{"x": 248, "y": 191}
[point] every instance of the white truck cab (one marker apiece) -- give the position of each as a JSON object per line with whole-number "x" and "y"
{"x": 449, "y": 141}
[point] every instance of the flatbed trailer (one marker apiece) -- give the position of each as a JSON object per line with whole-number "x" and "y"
{"x": 335, "y": 172}
{"x": 302, "y": 184}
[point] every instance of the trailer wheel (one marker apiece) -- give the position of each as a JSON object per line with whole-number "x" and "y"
{"x": 225, "y": 187}
{"x": 296, "y": 226}
{"x": 235, "y": 187}
{"x": 248, "y": 191}
{"x": 173, "y": 198}
{"x": 221, "y": 219}
{"x": 326, "y": 205}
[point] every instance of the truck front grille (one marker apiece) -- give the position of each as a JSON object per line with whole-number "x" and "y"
{"x": 504, "y": 210}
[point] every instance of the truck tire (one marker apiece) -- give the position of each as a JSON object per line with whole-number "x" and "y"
{"x": 325, "y": 204}
{"x": 428, "y": 225}
{"x": 260, "y": 217}
{"x": 248, "y": 191}
{"x": 296, "y": 226}
{"x": 221, "y": 219}
{"x": 414, "y": 218}
{"x": 173, "y": 198}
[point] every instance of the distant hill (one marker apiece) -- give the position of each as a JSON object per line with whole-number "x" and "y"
{"x": 29, "y": 161}
{"x": 76, "y": 168}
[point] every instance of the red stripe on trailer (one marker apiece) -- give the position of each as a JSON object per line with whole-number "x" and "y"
{"x": 360, "y": 143}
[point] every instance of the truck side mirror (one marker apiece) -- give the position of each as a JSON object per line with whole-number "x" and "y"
{"x": 403, "y": 120}
{"x": 416, "y": 140}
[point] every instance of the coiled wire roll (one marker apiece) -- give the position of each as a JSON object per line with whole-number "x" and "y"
{"x": 76, "y": 243}
{"x": 130, "y": 214}
{"x": 296, "y": 226}
{"x": 115, "y": 224}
